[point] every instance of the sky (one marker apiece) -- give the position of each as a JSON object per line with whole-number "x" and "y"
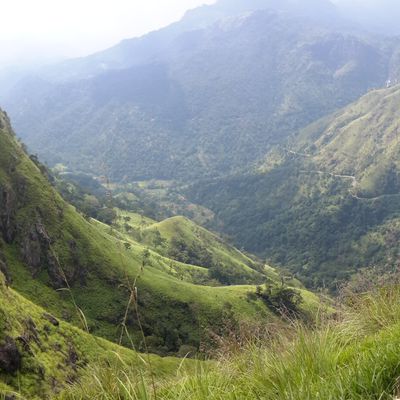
{"x": 42, "y": 31}
{"x": 36, "y": 31}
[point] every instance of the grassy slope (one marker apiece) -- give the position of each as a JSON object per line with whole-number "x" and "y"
{"x": 54, "y": 355}
{"x": 361, "y": 140}
{"x": 181, "y": 271}
{"x": 354, "y": 357}
{"x": 327, "y": 203}
{"x": 185, "y": 231}
{"x": 183, "y": 228}
{"x": 98, "y": 268}
{"x": 213, "y": 295}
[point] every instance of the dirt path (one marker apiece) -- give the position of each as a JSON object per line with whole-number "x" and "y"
{"x": 354, "y": 185}
{"x": 352, "y": 190}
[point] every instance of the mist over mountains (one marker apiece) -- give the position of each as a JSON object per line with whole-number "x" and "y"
{"x": 178, "y": 97}
{"x": 376, "y": 15}
{"x": 226, "y": 188}
{"x": 212, "y": 97}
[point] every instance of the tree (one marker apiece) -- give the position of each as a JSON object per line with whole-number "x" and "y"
{"x": 145, "y": 257}
{"x": 107, "y": 215}
{"x": 158, "y": 240}
{"x": 282, "y": 300}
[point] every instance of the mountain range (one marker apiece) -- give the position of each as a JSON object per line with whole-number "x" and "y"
{"x": 185, "y": 188}
{"x": 183, "y": 104}
{"x": 220, "y": 96}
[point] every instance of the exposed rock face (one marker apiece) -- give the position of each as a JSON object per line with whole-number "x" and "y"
{"x": 32, "y": 250}
{"x": 10, "y": 357}
{"x": 78, "y": 271}
{"x": 37, "y": 254}
{"x": 7, "y": 214}
{"x": 57, "y": 276}
{"x": 24, "y": 223}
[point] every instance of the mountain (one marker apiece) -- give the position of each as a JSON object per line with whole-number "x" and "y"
{"x": 206, "y": 15}
{"x": 67, "y": 264}
{"x": 183, "y": 104}
{"x": 207, "y": 106}
{"x": 360, "y": 141}
{"x": 327, "y": 203}
{"x": 159, "y": 44}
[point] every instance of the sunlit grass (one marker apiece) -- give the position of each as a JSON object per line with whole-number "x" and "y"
{"x": 341, "y": 358}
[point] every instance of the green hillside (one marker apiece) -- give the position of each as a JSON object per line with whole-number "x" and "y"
{"x": 182, "y": 240}
{"x": 360, "y": 141}
{"x": 208, "y": 212}
{"x": 40, "y": 354}
{"x": 326, "y": 203}
{"x": 57, "y": 259}
{"x": 353, "y": 356}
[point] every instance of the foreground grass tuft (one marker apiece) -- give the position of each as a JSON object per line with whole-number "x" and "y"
{"x": 341, "y": 358}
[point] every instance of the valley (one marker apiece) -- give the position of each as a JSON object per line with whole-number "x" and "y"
{"x": 157, "y": 286}
{"x": 209, "y": 211}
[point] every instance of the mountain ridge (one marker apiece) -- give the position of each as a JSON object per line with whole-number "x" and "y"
{"x": 327, "y": 203}
{"x": 55, "y": 257}
{"x": 168, "y": 118}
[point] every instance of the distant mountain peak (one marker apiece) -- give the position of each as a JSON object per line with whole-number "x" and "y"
{"x": 204, "y": 15}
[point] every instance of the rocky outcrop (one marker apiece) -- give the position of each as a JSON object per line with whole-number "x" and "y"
{"x": 35, "y": 246}
{"x": 25, "y": 220}
{"x": 7, "y": 214}
{"x": 10, "y": 356}
{"x": 57, "y": 275}
{"x": 78, "y": 272}
{"x": 32, "y": 250}
{"x": 5, "y": 121}
{"x": 37, "y": 254}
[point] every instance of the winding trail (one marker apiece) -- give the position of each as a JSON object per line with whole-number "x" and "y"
{"x": 354, "y": 185}
{"x": 352, "y": 190}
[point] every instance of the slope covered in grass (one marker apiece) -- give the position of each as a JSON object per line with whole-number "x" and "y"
{"x": 328, "y": 202}
{"x": 354, "y": 356}
{"x": 185, "y": 242}
{"x": 40, "y": 354}
{"x": 362, "y": 141}
{"x": 47, "y": 247}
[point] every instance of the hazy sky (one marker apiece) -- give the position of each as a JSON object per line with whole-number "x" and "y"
{"x": 34, "y": 29}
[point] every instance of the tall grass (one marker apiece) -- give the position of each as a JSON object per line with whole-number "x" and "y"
{"x": 114, "y": 379}
{"x": 355, "y": 355}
